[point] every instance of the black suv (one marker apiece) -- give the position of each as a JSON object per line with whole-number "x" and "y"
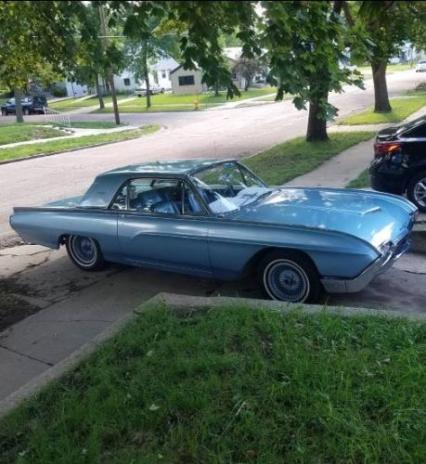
{"x": 399, "y": 164}
{"x": 30, "y": 105}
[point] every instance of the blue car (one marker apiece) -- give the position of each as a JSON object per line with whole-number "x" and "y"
{"x": 218, "y": 219}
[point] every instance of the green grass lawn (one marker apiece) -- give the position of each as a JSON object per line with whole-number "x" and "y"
{"x": 234, "y": 385}
{"x": 94, "y": 124}
{"x": 402, "y": 107}
{"x": 288, "y": 160}
{"x": 362, "y": 181}
{"x": 391, "y": 68}
{"x": 75, "y": 103}
{"x": 172, "y": 102}
{"x": 14, "y": 132}
{"x": 63, "y": 145}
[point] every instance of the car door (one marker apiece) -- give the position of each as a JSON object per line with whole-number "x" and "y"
{"x": 163, "y": 225}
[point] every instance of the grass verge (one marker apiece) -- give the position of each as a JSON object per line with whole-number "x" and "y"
{"x": 402, "y": 107}
{"x": 94, "y": 124}
{"x": 173, "y": 102}
{"x": 14, "y": 132}
{"x": 235, "y": 385}
{"x": 58, "y": 146}
{"x": 75, "y": 103}
{"x": 362, "y": 181}
{"x": 288, "y": 160}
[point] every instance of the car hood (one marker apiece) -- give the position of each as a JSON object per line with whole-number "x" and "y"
{"x": 371, "y": 216}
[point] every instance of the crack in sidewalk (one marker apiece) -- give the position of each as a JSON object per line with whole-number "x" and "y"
{"x": 27, "y": 356}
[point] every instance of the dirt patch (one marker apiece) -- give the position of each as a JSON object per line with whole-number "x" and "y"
{"x": 13, "y": 306}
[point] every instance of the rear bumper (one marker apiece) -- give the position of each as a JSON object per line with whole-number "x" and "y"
{"x": 379, "y": 266}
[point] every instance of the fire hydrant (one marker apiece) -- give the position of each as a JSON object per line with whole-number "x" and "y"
{"x": 196, "y": 104}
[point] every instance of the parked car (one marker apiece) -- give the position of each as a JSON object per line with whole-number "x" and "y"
{"x": 154, "y": 89}
{"x": 399, "y": 164}
{"x": 30, "y": 105}
{"x": 421, "y": 66}
{"x": 218, "y": 219}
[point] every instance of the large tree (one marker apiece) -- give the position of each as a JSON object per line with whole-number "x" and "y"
{"x": 145, "y": 46}
{"x": 306, "y": 45}
{"x": 387, "y": 26}
{"x": 35, "y": 34}
{"x": 305, "y": 41}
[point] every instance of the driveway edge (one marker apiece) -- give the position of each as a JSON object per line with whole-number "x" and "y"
{"x": 179, "y": 303}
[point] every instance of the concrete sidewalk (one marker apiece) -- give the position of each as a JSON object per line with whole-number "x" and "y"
{"x": 348, "y": 165}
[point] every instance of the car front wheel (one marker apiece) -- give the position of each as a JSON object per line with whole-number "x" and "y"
{"x": 289, "y": 276}
{"x": 85, "y": 253}
{"x": 416, "y": 191}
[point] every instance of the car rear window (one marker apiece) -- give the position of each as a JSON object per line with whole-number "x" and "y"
{"x": 411, "y": 125}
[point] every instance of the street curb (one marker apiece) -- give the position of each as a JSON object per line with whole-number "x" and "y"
{"x": 44, "y": 155}
{"x": 181, "y": 304}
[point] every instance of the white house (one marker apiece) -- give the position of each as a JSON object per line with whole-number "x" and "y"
{"x": 161, "y": 72}
{"x": 126, "y": 82}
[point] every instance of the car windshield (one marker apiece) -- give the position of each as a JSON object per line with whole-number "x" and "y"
{"x": 228, "y": 186}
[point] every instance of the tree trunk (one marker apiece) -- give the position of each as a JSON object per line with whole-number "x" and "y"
{"x": 216, "y": 89}
{"x": 146, "y": 77}
{"x": 99, "y": 91}
{"x": 114, "y": 99}
{"x": 247, "y": 84}
{"x": 317, "y": 124}
{"x": 18, "y": 107}
{"x": 381, "y": 98}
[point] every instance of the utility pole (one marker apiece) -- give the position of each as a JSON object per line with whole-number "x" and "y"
{"x": 109, "y": 76}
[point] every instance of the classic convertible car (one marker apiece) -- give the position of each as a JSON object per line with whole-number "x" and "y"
{"x": 218, "y": 219}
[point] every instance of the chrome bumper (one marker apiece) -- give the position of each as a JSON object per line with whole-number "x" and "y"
{"x": 382, "y": 264}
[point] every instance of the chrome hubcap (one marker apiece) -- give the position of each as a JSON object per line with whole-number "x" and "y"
{"x": 286, "y": 281}
{"x": 420, "y": 192}
{"x": 84, "y": 250}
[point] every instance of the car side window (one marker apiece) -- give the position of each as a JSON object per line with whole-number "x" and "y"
{"x": 159, "y": 196}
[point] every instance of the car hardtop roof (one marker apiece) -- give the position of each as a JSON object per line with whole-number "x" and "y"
{"x": 186, "y": 167}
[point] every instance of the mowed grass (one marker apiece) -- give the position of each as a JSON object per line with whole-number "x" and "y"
{"x": 391, "y": 68}
{"x": 402, "y": 107}
{"x": 75, "y": 103}
{"x": 288, "y": 160}
{"x": 94, "y": 124}
{"x": 362, "y": 181}
{"x": 235, "y": 385}
{"x": 63, "y": 145}
{"x": 173, "y": 102}
{"x": 14, "y": 132}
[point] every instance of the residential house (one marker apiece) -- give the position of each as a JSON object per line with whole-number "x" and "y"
{"x": 187, "y": 81}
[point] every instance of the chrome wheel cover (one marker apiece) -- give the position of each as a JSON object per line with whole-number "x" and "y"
{"x": 83, "y": 250}
{"x": 285, "y": 280}
{"x": 419, "y": 192}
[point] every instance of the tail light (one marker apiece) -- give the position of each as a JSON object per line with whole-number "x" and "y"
{"x": 386, "y": 148}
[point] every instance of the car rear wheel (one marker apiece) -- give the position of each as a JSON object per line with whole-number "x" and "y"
{"x": 85, "y": 253}
{"x": 416, "y": 191}
{"x": 289, "y": 276}
{"x": 3, "y": 112}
